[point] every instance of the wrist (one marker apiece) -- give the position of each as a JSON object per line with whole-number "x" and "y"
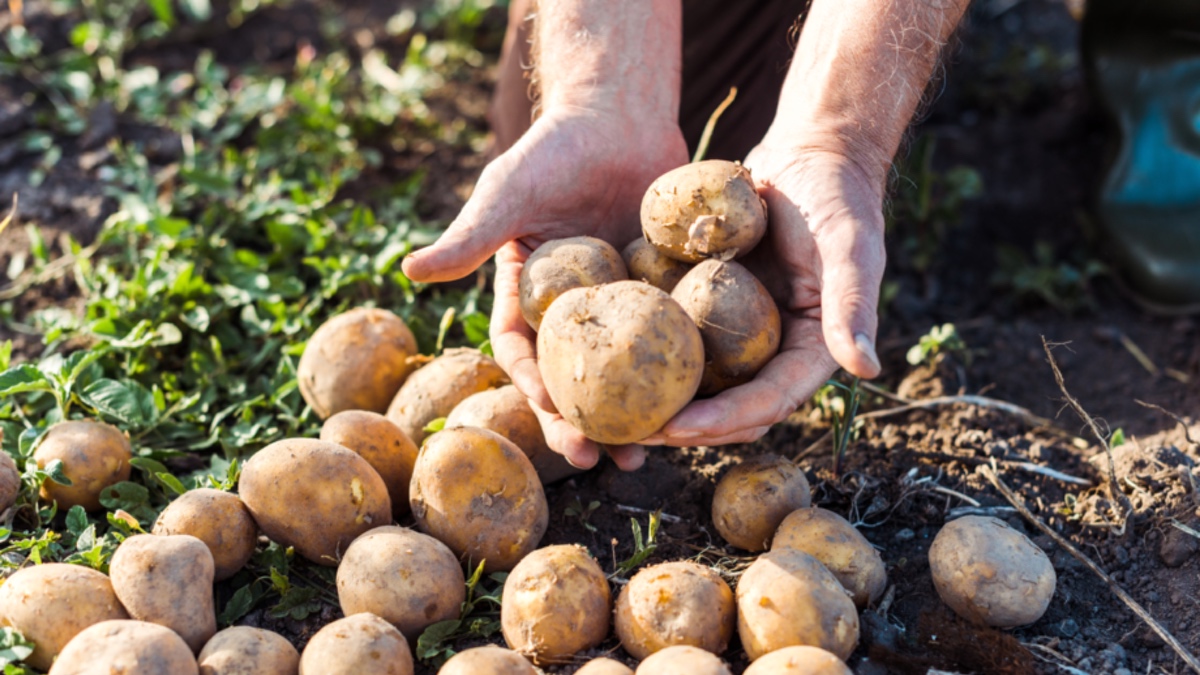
{"x": 843, "y": 146}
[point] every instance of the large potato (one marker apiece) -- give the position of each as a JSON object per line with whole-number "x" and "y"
{"x": 619, "y": 360}
{"x": 556, "y": 603}
{"x": 360, "y": 644}
{"x": 242, "y": 650}
{"x": 167, "y": 580}
{"x": 409, "y": 579}
{"x": 356, "y": 361}
{"x": 604, "y": 666}
{"x": 10, "y": 481}
{"x": 831, "y": 539}
{"x": 94, "y": 456}
{"x": 314, "y": 495}
{"x": 799, "y": 660}
{"x": 436, "y": 388}
{"x": 51, "y": 603}
{"x": 754, "y": 497}
{"x": 385, "y": 447}
{"x": 489, "y": 660}
{"x": 988, "y": 572}
{"x": 126, "y": 647}
{"x": 787, "y": 597}
{"x": 683, "y": 660}
{"x": 707, "y": 209}
{"x": 477, "y": 493}
{"x": 220, "y": 520}
{"x": 506, "y": 411}
{"x": 647, "y": 263}
{"x": 675, "y": 603}
{"x": 737, "y": 318}
{"x": 562, "y": 264}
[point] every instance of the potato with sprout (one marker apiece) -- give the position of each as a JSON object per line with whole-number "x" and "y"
{"x": 708, "y": 209}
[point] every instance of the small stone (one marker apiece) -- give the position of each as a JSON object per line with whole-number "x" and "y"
{"x": 1177, "y": 546}
{"x": 1121, "y": 554}
{"x": 1122, "y": 671}
{"x": 1117, "y": 651}
{"x": 1067, "y": 628}
{"x": 1085, "y": 665}
{"x": 905, "y": 535}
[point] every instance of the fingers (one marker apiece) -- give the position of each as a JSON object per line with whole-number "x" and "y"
{"x": 581, "y": 452}
{"x": 853, "y": 259}
{"x": 513, "y": 341}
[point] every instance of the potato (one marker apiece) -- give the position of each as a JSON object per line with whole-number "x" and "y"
{"x": 409, "y": 579}
{"x": 556, "y": 603}
{"x": 356, "y": 360}
{"x": 360, "y": 644}
{"x": 314, "y": 495}
{"x": 220, "y": 520}
{"x": 683, "y": 660}
{"x": 562, "y": 264}
{"x": 94, "y": 456}
{"x": 619, "y": 360}
{"x": 167, "y": 580}
{"x": 51, "y": 603}
{"x": 10, "y": 481}
{"x": 843, "y": 550}
{"x": 787, "y": 597}
{"x": 646, "y": 263}
{"x": 707, "y": 209}
{"x": 124, "y": 646}
{"x": 988, "y": 572}
{"x": 737, "y": 318}
{"x": 242, "y": 650}
{"x": 385, "y": 447}
{"x": 754, "y": 497}
{"x": 675, "y": 603}
{"x": 799, "y": 660}
{"x": 604, "y": 666}
{"x": 437, "y": 387}
{"x": 477, "y": 493}
{"x": 488, "y": 660}
{"x": 506, "y": 411}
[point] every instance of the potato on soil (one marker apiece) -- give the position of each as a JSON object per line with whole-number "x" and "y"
{"x": 242, "y": 650}
{"x": 477, "y": 493}
{"x": 604, "y": 666}
{"x": 675, "y": 603}
{"x": 737, "y": 318}
{"x": 754, "y": 497}
{"x": 167, "y": 580}
{"x": 683, "y": 660}
{"x": 437, "y": 387}
{"x": 506, "y": 411}
{"x": 556, "y": 603}
{"x": 10, "y": 481}
{"x": 124, "y": 646}
{"x": 831, "y": 539}
{"x": 356, "y": 360}
{"x": 51, "y": 603}
{"x": 799, "y": 660}
{"x": 220, "y": 520}
{"x": 489, "y": 660}
{"x": 94, "y": 456}
{"x": 360, "y": 644}
{"x": 385, "y": 447}
{"x": 988, "y": 572}
{"x": 562, "y": 264}
{"x": 409, "y": 579}
{"x": 646, "y": 263}
{"x": 707, "y": 209}
{"x": 314, "y": 495}
{"x": 786, "y": 598}
{"x": 619, "y": 360}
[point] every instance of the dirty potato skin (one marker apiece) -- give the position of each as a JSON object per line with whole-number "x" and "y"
{"x": 242, "y": 650}
{"x": 167, "y": 580}
{"x": 94, "y": 456}
{"x": 675, "y": 603}
{"x": 562, "y": 264}
{"x": 737, "y": 318}
{"x": 831, "y": 539}
{"x": 707, "y": 209}
{"x": 477, "y": 493}
{"x": 506, "y": 411}
{"x": 361, "y": 644}
{"x": 437, "y": 387}
{"x": 683, "y": 660}
{"x": 646, "y": 263}
{"x": 619, "y": 360}
{"x": 356, "y": 360}
{"x": 10, "y": 482}
{"x": 385, "y": 447}
{"x": 556, "y": 603}
{"x": 408, "y": 579}
{"x": 604, "y": 666}
{"x": 988, "y": 572}
{"x": 754, "y": 497}
{"x": 51, "y": 603}
{"x": 124, "y": 646}
{"x": 799, "y": 660}
{"x": 314, "y": 495}
{"x": 220, "y": 520}
{"x": 489, "y": 660}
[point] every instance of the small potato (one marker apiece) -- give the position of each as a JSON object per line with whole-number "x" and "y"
{"x": 51, "y": 603}
{"x": 242, "y": 650}
{"x": 619, "y": 360}
{"x": 707, "y": 209}
{"x": 683, "y": 660}
{"x": 409, "y": 579}
{"x": 94, "y": 456}
{"x": 556, "y": 603}
{"x": 562, "y": 264}
{"x": 356, "y": 360}
{"x": 799, "y": 660}
{"x": 604, "y": 666}
{"x": 831, "y": 539}
{"x": 10, "y": 482}
{"x": 220, "y": 520}
{"x": 385, "y": 447}
{"x": 988, "y": 572}
{"x": 314, "y": 495}
{"x": 754, "y": 497}
{"x": 786, "y": 598}
{"x": 675, "y": 603}
{"x": 506, "y": 411}
{"x": 124, "y": 646}
{"x": 437, "y": 387}
{"x": 489, "y": 660}
{"x": 646, "y": 263}
{"x": 360, "y": 644}
{"x": 167, "y": 580}
{"x": 477, "y": 493}
{"x": 737, "y": 318}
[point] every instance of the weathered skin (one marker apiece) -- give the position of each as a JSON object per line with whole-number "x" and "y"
{"x": 562, "y": 264}
{"x": 799, "y": 660}
{"x": 489, "y": 660}
{"x": 683, "y": 660}
{"x": 707, "y": 209}
{"x": 361, "y": 644}
{"x": 220, "y": 520}
{"x": 125, "y": 646}
{"x": 506, "y": 411}
{"x": 167, "y": 580}
{"x": 242, "y": 650}
{"x": 383, "y": 444}
{"x": 94, "y": 456}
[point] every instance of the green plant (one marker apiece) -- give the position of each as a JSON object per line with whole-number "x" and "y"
{"x": 839, "y": 404}
{"x": 643, "y": 548}
{"x": 940, "y": 339}
{"x": 576, "y": 509}
{"x": 1060, "y": 283}
{"x": 480, "y": 617}
{"x": 928, "y": 202}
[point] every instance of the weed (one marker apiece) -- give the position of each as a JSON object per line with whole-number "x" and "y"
{"x": 1061, "y": 284}
{"x": 943, "y": 339}
{"x": 642, "y": 548}
{"x": 479, "y": 617}
{"x": 929, "y": 203}
{"x": 577, "y": 510}
{"x": 839, "y": 403}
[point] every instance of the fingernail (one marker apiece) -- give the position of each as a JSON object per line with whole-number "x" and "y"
{"x": 867, "y": 349}
{"x": 685, "y": 435}
{"x": 652, "y": 440}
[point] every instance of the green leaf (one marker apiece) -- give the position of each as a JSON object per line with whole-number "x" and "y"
{"x": 239, "y": 605}
{"x": 77, "y": 520}
{"x": 170, "y": 482}
{"x": 429, "y": 644}
{"x": 23, "y": 378}
{"x": 1117, "y": 438}
{"x": 55, "y": 472}
{"x": 126, "y": 496}
{"x": 127, "y": 401}
{"x": 297, "y": 603}
{"x": 162, "y": 11}
{"x": 435, "y": 426}
{"x": 13, "y": 646}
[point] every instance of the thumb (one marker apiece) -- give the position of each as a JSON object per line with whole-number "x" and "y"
{"x": 852, "y": 262}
